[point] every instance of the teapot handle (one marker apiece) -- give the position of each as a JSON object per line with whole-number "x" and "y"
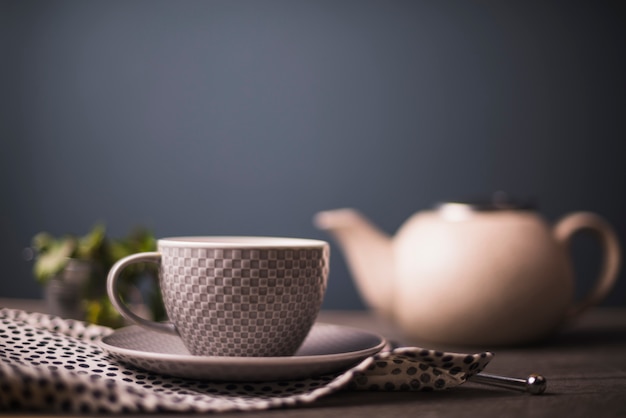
{"x": 565, "y": 230}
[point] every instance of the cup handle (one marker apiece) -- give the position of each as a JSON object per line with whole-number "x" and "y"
{"x": 565, "y": 230}
{"x": 116, "y": 300}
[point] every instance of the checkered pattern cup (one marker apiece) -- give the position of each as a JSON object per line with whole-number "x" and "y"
{"x": 235, "y": 296}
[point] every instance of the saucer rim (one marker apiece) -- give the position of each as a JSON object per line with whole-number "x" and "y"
{"x": 270, "y": 360}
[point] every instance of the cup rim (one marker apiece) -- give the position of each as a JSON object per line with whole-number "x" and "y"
{"x": 239, "y": 241}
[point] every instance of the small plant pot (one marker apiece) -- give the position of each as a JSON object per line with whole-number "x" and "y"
{"x": 65, "y": 293}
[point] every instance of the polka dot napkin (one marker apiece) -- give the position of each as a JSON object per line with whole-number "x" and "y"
{"x": 48, "y": 364}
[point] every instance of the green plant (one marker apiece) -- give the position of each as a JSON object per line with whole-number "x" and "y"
{"x": 52, "y": 256}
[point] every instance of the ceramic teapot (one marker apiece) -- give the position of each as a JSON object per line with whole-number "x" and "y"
{"x": 472, "y": 274}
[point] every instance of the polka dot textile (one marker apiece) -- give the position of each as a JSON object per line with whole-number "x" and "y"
{"x": 49, "y": 364}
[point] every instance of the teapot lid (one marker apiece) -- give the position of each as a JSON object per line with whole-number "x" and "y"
{"x": 498, "y": 201}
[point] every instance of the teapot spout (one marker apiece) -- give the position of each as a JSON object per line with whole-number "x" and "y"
{"x": 368, "y": 252}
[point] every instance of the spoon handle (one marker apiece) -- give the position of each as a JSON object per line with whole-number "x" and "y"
{"x": 534, "y": 384}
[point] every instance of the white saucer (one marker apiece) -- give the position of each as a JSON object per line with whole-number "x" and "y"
{"x": 327, "y": 349}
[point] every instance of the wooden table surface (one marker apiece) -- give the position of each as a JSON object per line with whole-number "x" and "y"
{"x": 585, "y": 366}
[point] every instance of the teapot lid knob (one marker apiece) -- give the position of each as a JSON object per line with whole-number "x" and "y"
{"x": 498, "y": 201}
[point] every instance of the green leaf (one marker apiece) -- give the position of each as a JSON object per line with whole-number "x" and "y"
{"x": 51, "y": 262}
{"x": 101, "y": 311}
{"x": 91, "y": 244}
{"x": 42, "y": 241}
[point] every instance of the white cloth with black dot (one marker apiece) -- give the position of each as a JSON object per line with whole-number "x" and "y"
{"x": 49, "y": 364}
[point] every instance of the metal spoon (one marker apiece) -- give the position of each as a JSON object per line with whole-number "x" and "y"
{"x": 535, "y": 384}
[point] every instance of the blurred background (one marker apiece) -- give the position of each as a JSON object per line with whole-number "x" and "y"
{"x": 248, "y": 117}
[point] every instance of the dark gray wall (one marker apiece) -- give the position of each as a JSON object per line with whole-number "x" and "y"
{"x": 247, "y": 117}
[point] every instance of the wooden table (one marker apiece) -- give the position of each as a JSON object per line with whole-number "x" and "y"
{"x": 585, "y": 366}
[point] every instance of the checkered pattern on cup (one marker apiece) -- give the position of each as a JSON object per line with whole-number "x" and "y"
{"x": 241, "y": 302}
{"x": 239, "y": 296}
